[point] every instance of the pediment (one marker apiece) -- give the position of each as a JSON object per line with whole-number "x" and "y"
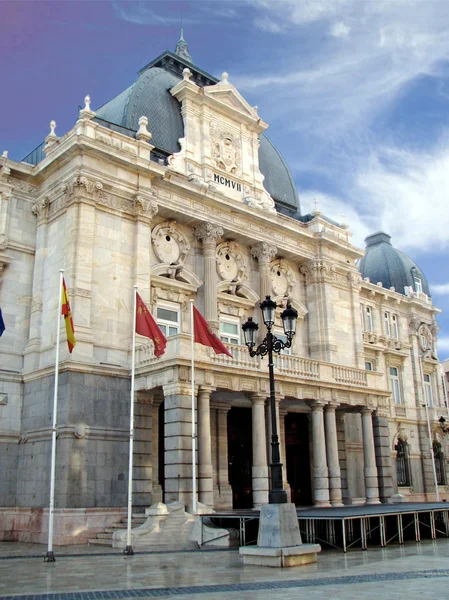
{"x": 227, "y": 94}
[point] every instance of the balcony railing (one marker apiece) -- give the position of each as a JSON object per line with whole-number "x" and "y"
{"x": 178, "y": 348}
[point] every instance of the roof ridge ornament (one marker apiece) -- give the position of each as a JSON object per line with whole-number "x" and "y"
{"x": 181, "y": 49}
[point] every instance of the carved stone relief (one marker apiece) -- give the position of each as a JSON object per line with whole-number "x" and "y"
{"x": 282, "y": 278}
{"x": 225, "y": 149}
{"x": 170, "y": 244}
{"x": 230, "y": 264}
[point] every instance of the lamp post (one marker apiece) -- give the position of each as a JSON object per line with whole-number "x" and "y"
{"x": 270, "y": 344}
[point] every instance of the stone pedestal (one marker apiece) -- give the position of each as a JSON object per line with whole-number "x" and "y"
{"x": 279, "y": 541}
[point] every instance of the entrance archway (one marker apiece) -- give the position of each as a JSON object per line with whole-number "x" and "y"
{"x": 240, "y": 457}
{"x": 298, "y": 458}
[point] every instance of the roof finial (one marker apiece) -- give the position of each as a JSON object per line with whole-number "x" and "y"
{"x": 181, "y": 33}
{"x": 316, "y": 210}
{"x": 181, "y": 47}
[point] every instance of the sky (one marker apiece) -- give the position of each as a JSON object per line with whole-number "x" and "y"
{"x": 356, "y": 93}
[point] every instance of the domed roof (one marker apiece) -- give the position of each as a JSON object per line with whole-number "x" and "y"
{"x": 150, "y": 96}
{"x": 385, "y": 264}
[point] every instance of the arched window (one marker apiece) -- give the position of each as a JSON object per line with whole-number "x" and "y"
{"x": 402, "y": 464}
{"x": 438, "y": 457}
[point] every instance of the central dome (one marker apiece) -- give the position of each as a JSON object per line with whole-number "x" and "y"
{"x": 150, "y": 96}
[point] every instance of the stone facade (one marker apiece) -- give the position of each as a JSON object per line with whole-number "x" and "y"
{"x": 199, "y": 225}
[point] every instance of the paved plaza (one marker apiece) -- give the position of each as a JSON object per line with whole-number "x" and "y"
{"x": 410, "y": 571}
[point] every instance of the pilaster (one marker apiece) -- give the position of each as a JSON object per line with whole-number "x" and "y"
{"x": 205, "y": 485}
{"x": 222, "y": 489}
{"x": 209, "y": 233}
{"x": 383, "y": 456}
{"x": 178, "y": 443}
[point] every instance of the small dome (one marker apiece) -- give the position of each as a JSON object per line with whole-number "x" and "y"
{"x": 385, "y": 264}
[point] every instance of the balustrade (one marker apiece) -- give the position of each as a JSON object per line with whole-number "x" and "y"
{"x": 178, "y": 347}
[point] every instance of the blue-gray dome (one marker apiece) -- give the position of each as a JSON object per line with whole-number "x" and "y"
{"x": 385, "y": 264}
{"x": 150, "y": 96}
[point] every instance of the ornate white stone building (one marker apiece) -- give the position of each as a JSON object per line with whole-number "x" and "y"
{"x": 172, "y": 185}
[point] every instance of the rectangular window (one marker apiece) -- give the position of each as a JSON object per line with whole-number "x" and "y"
{"x": 394, "y": 323}
{"x": 168, "y": 319}
{"x": 369, "y": 365}
{"x": 387, "y": 324}
{"x": 395, "y": 385}
{"x": 230, "y": 331}
{"x": 418, "y": 284}
{"x": 428, "y": 390}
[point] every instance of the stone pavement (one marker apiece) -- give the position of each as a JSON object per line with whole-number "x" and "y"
{"x": 410, "y": 571}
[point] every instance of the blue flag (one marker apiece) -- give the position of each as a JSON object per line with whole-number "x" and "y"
{"x": 2, "y": 323}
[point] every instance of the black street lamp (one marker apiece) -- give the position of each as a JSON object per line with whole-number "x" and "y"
{"x": 270, "y": 344}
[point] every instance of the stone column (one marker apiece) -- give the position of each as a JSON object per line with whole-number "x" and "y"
{"x": 320, "y": 472}
{"x": 281, "y": 414}
{"x": 371, "y": 480}
{"x": 205, "y": 486}
{"x": 341, "y": 440}
{"x": 333, "y": 463}
{"x": 209, "y": 233}
{"x": 178, "y": 443}
{"x": 264, "y": 252}
{"x": 383, "y": 456}
{"x": 222, "y": 489}
{"x": 260, "y": 467}
{"x": 156, "y": 492}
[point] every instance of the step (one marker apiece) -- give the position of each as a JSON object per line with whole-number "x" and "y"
{"x": 97, "y": 542}
{"x": 104, "y": 536}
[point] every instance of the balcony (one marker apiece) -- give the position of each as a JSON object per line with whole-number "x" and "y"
{"x": 287, "y": 366}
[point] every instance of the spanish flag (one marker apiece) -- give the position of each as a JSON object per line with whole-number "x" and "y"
{"x": 68, "y": 318}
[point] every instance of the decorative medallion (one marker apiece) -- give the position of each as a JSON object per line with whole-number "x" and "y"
{"x": 282, "y": 278}
{"x": 230, "y": 265}
{"x": 170, "y": 244}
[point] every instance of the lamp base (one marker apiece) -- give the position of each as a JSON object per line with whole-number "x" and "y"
{"x": 280, "y": 557}
{"x": 279, "y": 541}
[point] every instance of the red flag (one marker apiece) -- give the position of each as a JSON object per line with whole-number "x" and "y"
{"x": 147, "y": 326}
{"x": 204, "y": 335}
{"x": 65, "y": 310}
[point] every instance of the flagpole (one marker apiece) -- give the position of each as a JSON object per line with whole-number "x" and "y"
{"x": 129, "y": 549}
{"x": 192, "y": 354}
{"x": 432, "y": 456}
{"x": 50, "y": 557}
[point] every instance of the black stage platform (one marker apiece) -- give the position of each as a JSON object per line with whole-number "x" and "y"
{"x": 347, "y": 526}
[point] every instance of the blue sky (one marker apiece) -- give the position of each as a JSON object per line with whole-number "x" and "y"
{"x": 356, "y": 93}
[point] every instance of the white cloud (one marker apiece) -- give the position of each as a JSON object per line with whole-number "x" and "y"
{"x": 267, "y": 24}
{"x": 443, "y": 345}
{"x": 406, "y": 194}
{"x": 340, "y": 30}
{"x": 439, "y": 289}
{"x": 341, "y": 86}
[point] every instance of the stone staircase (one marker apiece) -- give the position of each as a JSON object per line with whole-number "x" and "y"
{"x": 105, "y": 538}
{"x": 166, "y": 527}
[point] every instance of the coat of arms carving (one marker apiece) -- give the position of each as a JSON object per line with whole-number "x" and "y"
{"x": 225, "y": 150}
